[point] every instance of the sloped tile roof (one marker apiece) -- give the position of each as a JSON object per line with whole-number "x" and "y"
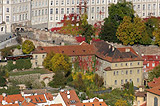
{"x": 37, "y": 98}
{"x": 109, "y": 53}
{"x": 12, "y": 98}
{"x": 70, "y": 50}
{"x": 73, "y": 100}
{"x": 94, "y": 104}
{"x": 154, "y": 83}
{"x": 55, "y": 105}
{"x": 155, "y": 90}
{"x": 49, "y": 96}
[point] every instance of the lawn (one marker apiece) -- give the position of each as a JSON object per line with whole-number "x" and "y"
{"x": 34, "y": 71}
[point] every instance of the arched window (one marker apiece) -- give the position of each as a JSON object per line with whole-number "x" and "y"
{"x": 155, "y": 101}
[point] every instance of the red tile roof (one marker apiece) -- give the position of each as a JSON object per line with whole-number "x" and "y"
{"x": 155, "y": 90}
{"x": 55, "y": 105}
{"x": 71, "y": 50}
{"x": 49, "y": 96}
{"x": 12, "y": 98}
{"x": 154, "y": 83}
{"x": 37, "y": 98}
{"x": 94, "y": 104}
{"x": 151, "y": 57}
{"x": 73, "y": 100}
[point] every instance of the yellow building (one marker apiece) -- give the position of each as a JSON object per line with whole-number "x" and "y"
{"x": 118, "y": 65}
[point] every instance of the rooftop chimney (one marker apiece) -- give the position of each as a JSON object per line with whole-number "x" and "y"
{"x": 4, "y": 94}
{"x": 68, "y": 96}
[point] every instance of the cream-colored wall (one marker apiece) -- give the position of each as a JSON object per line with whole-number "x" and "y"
{"x": 150, "y": 99}
{"x": 59, "y": 99}
{"x": 110, "y": 77}
{"x": 139, "y": 101}
{"x": 38, "y": 58}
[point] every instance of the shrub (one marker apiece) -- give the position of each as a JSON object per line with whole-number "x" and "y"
{"x": 23, "y": 64}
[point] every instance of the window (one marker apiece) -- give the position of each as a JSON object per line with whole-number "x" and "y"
{"x": 97, "y": 1}
{"x": 115, "y": 65}
{"x": 130, "y": 64}
{"x": 137, "y": 71}
{"x": 56, "y": 2}
{"x": 115, "y": 82}
{"x": 121, "y": 64}
{"x": 56, "y": 10}
{"x": 147, "y": 64}
{"x": 138, "y": 63}
{"x": 2, "y": 29}
{"x": 7, "y": 18}
{"x": 72, "y": 1}
{"x": 62, "y": 10}
{"x": 153, "y": 64}
{"x": 67, "y": 1}
{"x": 62, "y": 2}
{"x": 122, "y": 72}
{"x": 92, "y": 1}
{"x": 117, "y": 72}
{"x": 143, "y": 7}
{"x": 46, "y": 11}
{"x": 137, "y": 79}
{"x": 114, "y": 73}
{"x": 67, "y": 10}
{"x": 130, "y": 71}
{"x": 126, "y": 64}
{"x": 36, "y": 63}
{"x": 7, "y": 1}
{"x": 155, "y": 101}
{"x": 51, "y": 11}
{"x": 126, "y": 72}
{"x": 72, "y": 10}
{"x": 92, "y": 10}
{"x": 51, "y": 2}
{"x": 126, "y": 81}
{"x": 130, "y": 80}
{"x": 36, "y": 56}
{"x": 7, "y": 9}
{"x": 77, "y": 1}
{"x": 121, "y": 82}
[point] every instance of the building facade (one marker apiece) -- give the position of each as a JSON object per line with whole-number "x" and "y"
{"x": 118, "y": 65}
{"x": 150, "y": 62}
{"x": 49, "y": 12}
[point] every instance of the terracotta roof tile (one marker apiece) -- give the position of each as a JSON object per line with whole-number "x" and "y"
{"x": 70, "y": 50}
{"x": 155, "y": 82}
{"x": 154, "y": 90}
{"x": 94, "y": 104}
{"x": 37, "y": 98}
{"x": 13, "y": 98}
{"x": 73, "y": 100}
{"x": 55, "y": 105}
{"x": 49, "y": 96}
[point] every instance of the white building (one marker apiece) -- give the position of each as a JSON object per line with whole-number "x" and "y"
{"x": 49, "y": 12}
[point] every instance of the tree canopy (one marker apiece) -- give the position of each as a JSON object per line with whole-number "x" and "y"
{"x": 27, "y": 47}
{"x": 57, "y": 62}
{"x": 131, "y": 32}
{"x": 155, "y": 73}
{"x": 116, "y": 15}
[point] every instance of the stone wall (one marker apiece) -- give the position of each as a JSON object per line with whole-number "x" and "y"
{"x": 9, "y": 42}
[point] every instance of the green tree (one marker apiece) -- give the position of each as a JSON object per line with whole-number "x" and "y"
{"x": 59, "y": 80}
{"x": 27, "y": 47}
{"x": 119, "y": 10}
{"x": 47, "y": 60}
{"x": 151, "y": 25}
{"x": 156, "y": 34}
{"x": 108, "y": 31}
{"x": 116, "y": 15}
{"x": 155, "y": 73}
{"x": 88, "y": 31}
{"x": 131, "y": 32}
{"x": 98, "y": 80}
{"x": 121, "y": 102}
{"x": 2, "y": 81}
{"x": 23, "y": 64}
{"x": 79, "y": 84}
{"x": 60, "y": 62}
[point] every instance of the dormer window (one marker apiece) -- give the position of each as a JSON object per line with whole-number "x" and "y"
{"x": 84, "y": 50}
{"x": 73, "y": 51}
{"x": 62, "y": 51}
